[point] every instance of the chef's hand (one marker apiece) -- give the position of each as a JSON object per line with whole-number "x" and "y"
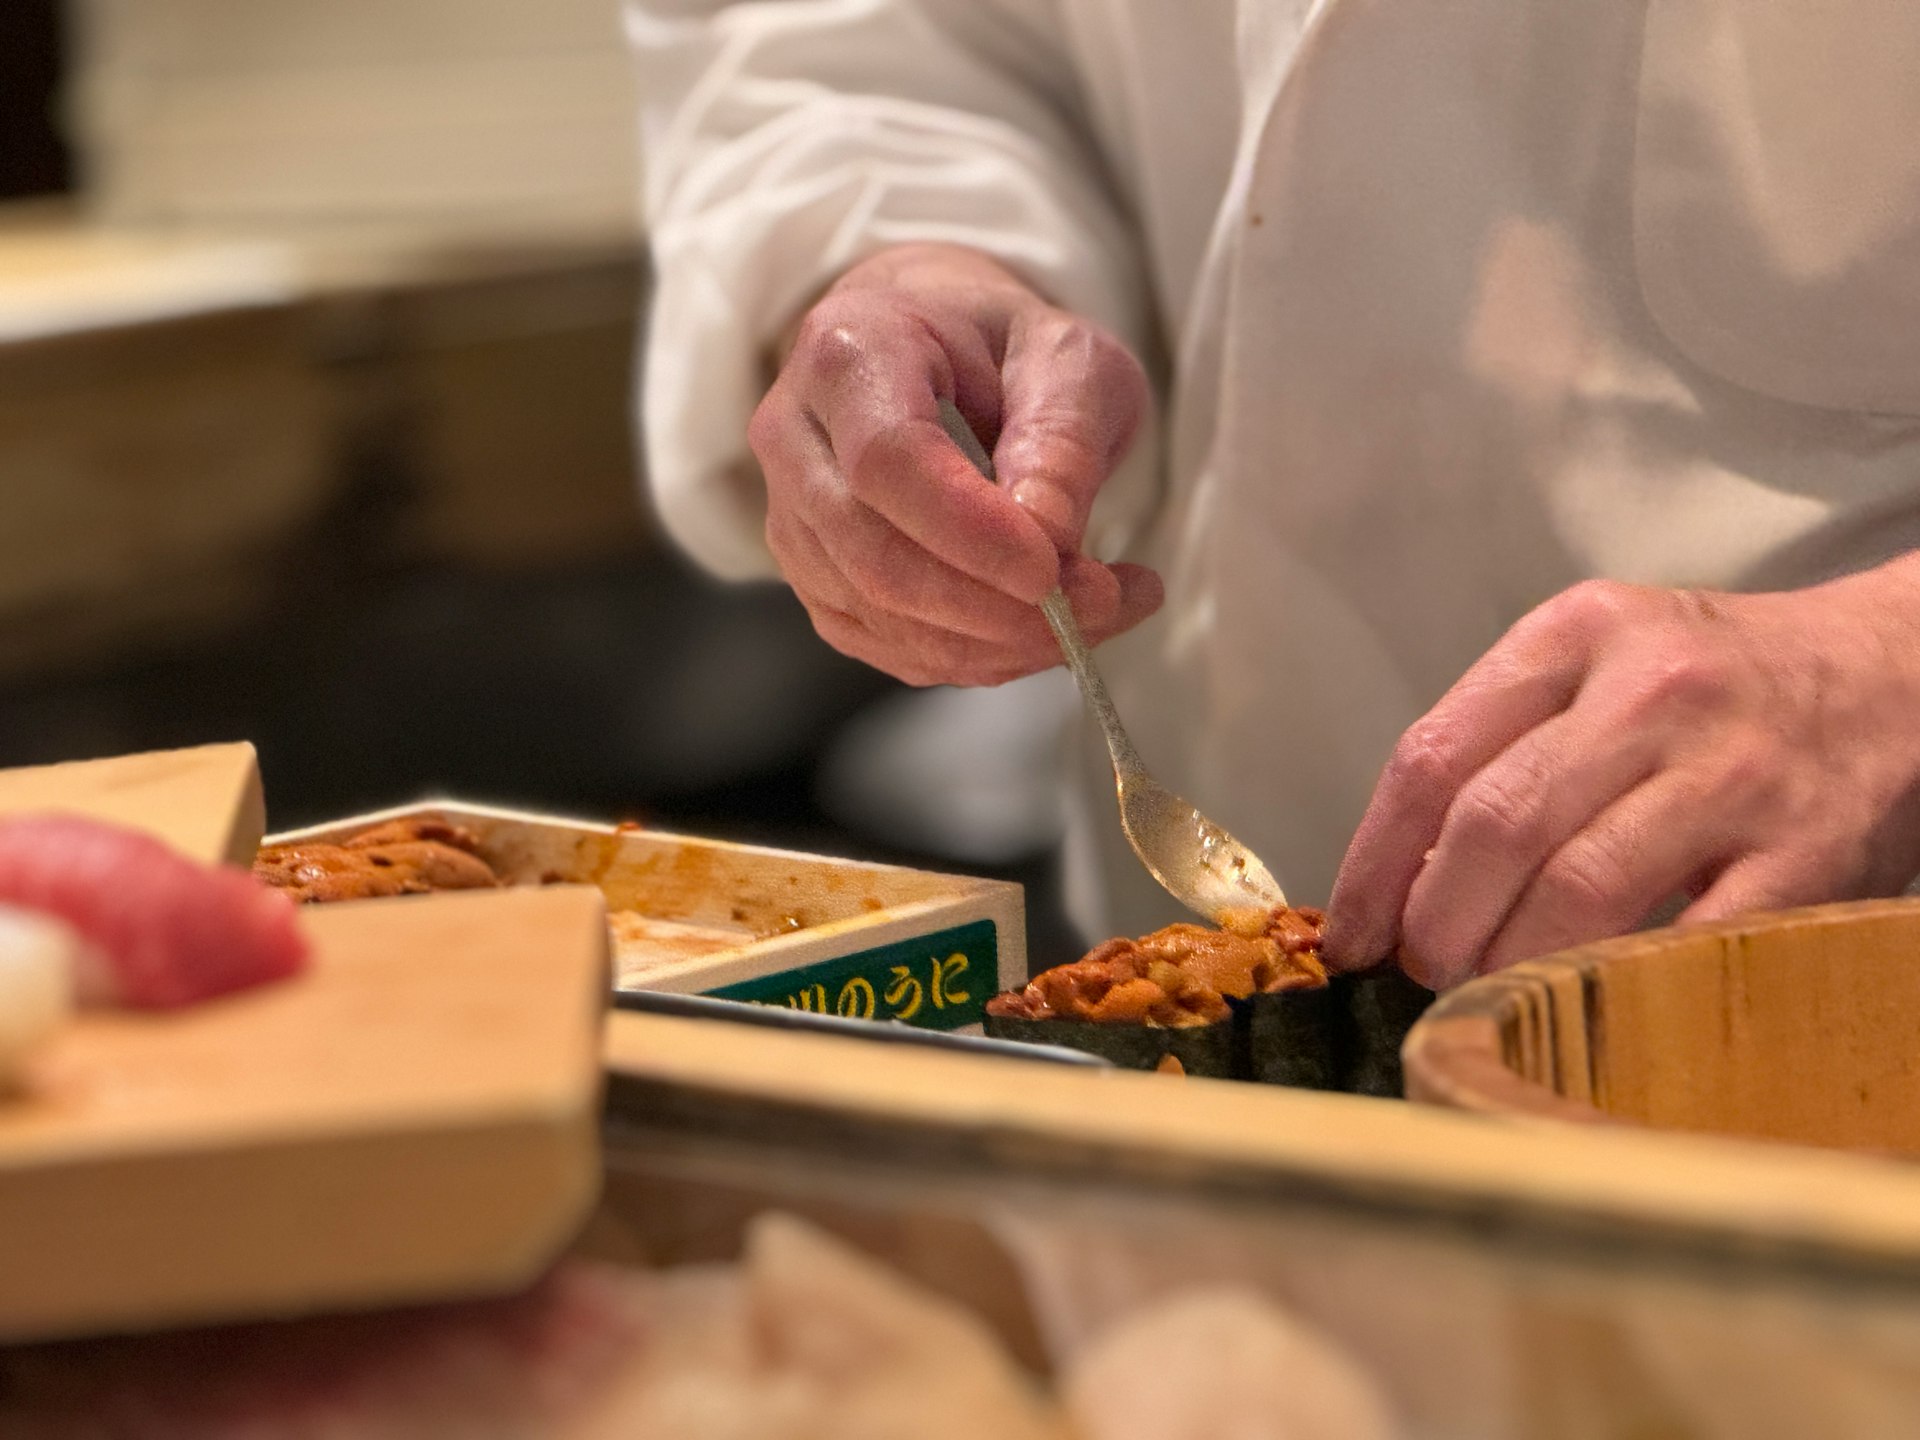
{"x": 904, "y": 555}
{"x": 1622, "y": 747}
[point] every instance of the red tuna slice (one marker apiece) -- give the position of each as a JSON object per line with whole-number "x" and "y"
{"x": 162, "y": 930}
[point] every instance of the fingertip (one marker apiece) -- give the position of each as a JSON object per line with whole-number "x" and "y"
{"x": 1142, "y": 592}
{"x": 1345, "y": 944}
{"x": 1425, "y": 973}
{"x": 1093, "y": 589}
{"x": 1363, "y": 917}
{"x": 1035, "y": 573}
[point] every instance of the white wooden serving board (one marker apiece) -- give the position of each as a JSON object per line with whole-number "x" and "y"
{"x": 204, "y": 802}
{"x": 415, "y": 1117}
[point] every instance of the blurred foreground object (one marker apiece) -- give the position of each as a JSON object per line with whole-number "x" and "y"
{"x": 412, "y": 1118}
{"x": 207, "y": 803}
{"x": 410, "y": 1115}
{"x": 37, "y": 960}
{"x": 160, "y": 930}
{"x": 485, "y": 113}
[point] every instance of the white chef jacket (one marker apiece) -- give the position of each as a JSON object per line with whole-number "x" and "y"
{"x": 1453, "y": 302}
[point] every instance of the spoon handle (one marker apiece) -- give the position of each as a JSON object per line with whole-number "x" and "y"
{"x": 1059, "y": 613}
{"x": 1066, "y": 630}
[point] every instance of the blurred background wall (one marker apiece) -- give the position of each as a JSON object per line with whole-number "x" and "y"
{"x": 318, "y": 325}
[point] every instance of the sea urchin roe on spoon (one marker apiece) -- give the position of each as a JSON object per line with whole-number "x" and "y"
{"x": 1180, "y": 976}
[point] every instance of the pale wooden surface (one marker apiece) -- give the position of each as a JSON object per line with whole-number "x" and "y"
{"x": 1851, "y": 1209}
{"x": 1800, "y": 1026}
{"x": 414, "y": 1117}
{"x": 205, "y": 802}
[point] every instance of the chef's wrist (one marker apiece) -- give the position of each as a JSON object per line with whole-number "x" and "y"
{"x": 1887, "y": 597}
{"x": 1875, "y": 619}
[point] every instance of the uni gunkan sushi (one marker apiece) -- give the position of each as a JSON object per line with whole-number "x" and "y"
{"x": 1189, "y": 998}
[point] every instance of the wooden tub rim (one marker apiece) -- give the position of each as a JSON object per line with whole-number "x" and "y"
{"x": 1457, "y": 1055}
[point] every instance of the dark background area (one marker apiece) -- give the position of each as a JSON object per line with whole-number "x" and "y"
{"x": 34, "y": 159}
{"x": 627, "y": 688}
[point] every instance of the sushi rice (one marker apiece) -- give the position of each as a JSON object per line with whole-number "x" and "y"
{"x": 37, "y": 960}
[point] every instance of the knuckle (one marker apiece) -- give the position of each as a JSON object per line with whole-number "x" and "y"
{"x": 1503, "y": 812}
{"x": 856, "y": 641}
{"x": 831, "y": 625}
{"x": 1054, "y": 449}
{"x": 1106, "y": 353}
{"x": 1687, "y": 683}
{"x": 1747, "y": 775}
{"x": 1591, "y": 607}
{"x": 829, "y": 346}
{"x": 1422, "y": 762}
{"x": 1588, "y": 878}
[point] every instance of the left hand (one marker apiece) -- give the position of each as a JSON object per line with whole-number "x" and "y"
{"x": 1622, "y": 746}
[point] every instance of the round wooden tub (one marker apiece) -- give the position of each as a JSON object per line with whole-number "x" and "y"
{"x": 1800, "y": 1026}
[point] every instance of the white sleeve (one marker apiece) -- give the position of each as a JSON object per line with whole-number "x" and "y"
{"x": 785, "y": 140}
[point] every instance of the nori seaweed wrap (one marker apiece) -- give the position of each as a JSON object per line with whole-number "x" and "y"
{"x": 1287, "y": 1023}
{"x": 1287, "y": 1038}
{"x": 1373, "y": 1011}
{"x": 1245, "y": 1001}
{"x": 1210, "y": 1049}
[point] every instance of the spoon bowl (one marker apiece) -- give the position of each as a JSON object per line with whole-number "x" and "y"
{"x": 1195, "y": 860}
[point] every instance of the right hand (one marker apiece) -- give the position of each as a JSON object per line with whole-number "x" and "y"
{"x": 904, "y": 555}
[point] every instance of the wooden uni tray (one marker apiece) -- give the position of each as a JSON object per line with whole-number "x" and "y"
{"x": 697, "y": 916}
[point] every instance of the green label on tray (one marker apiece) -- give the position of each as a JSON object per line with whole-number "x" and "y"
{"x": 939, "y": 982}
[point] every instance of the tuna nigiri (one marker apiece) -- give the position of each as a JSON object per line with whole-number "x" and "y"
{"x": 159, "y": 930}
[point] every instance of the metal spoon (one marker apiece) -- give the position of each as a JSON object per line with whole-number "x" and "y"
{"x": 1195, "y": 860}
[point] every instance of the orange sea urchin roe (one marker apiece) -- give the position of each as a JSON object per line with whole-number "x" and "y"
{"x": 1114, "y": 984}
{"x": 400, "y": 857}
{"x": 1179, "y": 976}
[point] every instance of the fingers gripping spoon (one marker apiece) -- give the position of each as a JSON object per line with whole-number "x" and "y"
{"x": 1195, "y": 860}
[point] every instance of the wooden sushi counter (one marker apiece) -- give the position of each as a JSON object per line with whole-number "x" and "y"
{"x": 1491, "y": 1276}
